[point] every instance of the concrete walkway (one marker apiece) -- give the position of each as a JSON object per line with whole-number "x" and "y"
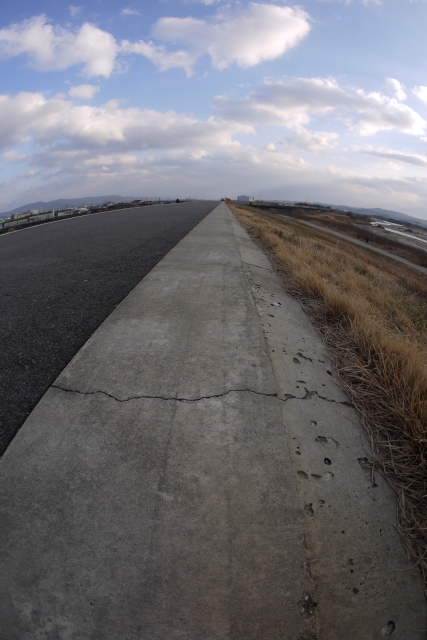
{"x": 156, "y": 491}
{"x": 359, "y": 243}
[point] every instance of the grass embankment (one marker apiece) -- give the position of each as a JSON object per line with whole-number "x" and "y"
{"x": 345, "y": 223}
{"x": 372, "y": 314}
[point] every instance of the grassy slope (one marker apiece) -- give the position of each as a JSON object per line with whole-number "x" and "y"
{"x": 345, "y": 224}
{"x": 372, "y": 314}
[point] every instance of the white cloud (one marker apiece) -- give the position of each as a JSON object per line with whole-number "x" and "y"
{"x": 52, "y": 48}
{"x": 50, "y": 120}
{"x": 366, "y": 3}
{"x": 83, "y": 91}
{"x": 397, "y": 88}
{"x": 395, "y": 156}
{"x": 246, "y": 37}
{"x": 80, "y": 161}
{"x": 160, "y": 56}
{"x": 293, "y": 102}
{"x": 312, "y": 141}
{"x": 127, "y": 11}
{"x": 14, "y": 156}
{"x": 74, "y": 11}
{"x": 421, "y": 93}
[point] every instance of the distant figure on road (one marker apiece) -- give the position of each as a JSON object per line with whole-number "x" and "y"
{"x": 367, "y": 240}
{"x": 177, "y": 201}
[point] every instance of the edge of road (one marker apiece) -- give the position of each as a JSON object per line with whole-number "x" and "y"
{"x": 61, "y": 282}
{"x": 359, "y": 243}
{"x": 194, "y": 472}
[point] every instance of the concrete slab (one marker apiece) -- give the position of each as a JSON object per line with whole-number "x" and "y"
{"x": 151, "y": 493}
{"x": 364, "y": 584}
{"x": 193, "y": 313}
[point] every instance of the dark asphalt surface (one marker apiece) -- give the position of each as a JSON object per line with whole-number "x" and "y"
{"x": 59, "y": 281}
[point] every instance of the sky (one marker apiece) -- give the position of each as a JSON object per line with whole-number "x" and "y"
{"x": 325, "y": 100}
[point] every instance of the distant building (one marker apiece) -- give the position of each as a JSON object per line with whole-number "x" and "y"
{"x": 34, "y": 212}
{"x": 18, "y": 216}
{"x": 245, "y": 199}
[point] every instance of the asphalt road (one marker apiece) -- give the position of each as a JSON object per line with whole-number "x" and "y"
{"x": 59, "y": 281}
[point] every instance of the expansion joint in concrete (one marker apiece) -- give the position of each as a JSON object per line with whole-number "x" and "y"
{"x": 166, "y": 398}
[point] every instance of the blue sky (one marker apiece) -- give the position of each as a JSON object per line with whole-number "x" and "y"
{"x": 325, "y": 100}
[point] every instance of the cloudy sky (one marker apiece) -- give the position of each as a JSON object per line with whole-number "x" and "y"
{"x": 325, "y": 100}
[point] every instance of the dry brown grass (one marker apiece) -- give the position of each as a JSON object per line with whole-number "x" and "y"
{"x": 345, "y": 224}
{"x": 372, "y": 314}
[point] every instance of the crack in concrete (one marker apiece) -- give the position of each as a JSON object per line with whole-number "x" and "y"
{"x": 310, "y": 394}
{"x": 240, "y": 239}
{"x": 248, "y": 264}
{"x": 147, "y": 397}
{"x": 285, "y": 398}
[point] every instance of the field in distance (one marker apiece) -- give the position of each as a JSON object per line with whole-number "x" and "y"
{"x": 412, "y": 245}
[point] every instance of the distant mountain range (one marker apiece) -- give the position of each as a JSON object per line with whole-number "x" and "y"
{"x": 384, "y": 213}
{"x": 78, "y": 202}
{"x": 62, "y": 203}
